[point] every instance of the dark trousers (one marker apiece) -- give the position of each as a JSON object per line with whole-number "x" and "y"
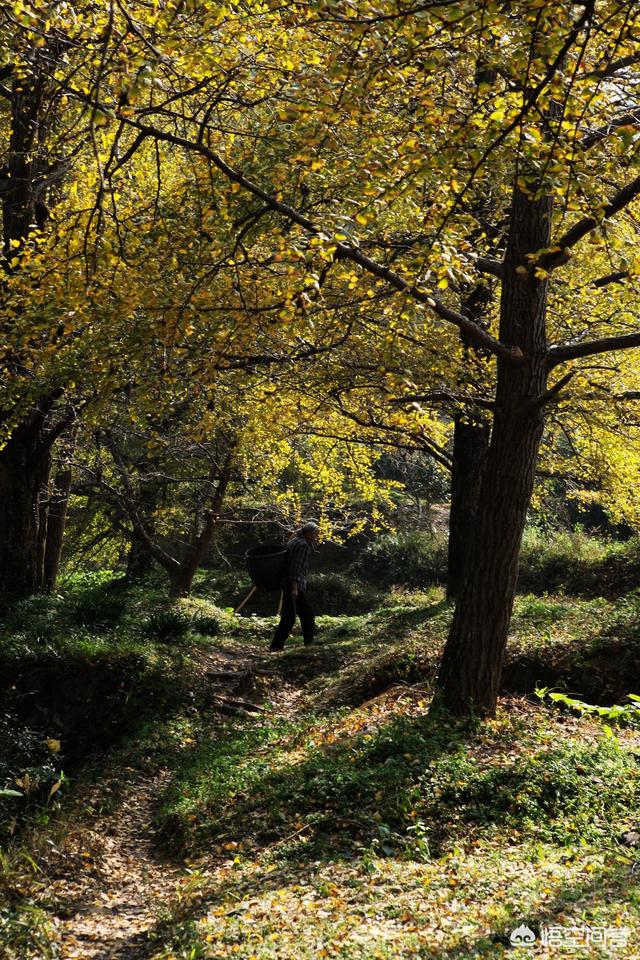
{"x": 290, "y": 608}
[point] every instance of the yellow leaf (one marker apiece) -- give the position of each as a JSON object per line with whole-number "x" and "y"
{"x": 56, "y": 786}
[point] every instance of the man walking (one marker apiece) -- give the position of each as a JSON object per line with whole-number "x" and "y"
{"x": 295, "y": 588}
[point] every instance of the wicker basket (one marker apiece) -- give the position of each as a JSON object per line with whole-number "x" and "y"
{"x": 267, "y": 565}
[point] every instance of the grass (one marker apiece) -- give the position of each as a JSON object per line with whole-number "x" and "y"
{"x": 345, "y": 821}
{"x": 381, "y": 832}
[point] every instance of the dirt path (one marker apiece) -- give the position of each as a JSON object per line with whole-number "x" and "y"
{"x": 113, "y": 882}
{"x": 113, "y": 902}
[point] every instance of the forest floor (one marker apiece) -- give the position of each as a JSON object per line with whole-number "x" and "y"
{"x": 307, "y": 804}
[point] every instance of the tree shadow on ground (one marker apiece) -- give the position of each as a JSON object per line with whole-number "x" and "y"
{"x": 361, "y": 796}
{"x": 350, "y": 645}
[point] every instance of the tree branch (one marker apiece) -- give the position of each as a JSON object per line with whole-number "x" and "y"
{"x": 615, "y": 277}
{"x": 344, "y": 251}
{"x": 562, "y": 247}
{"x": 488, "y": 265}
{"x": 128, "y": 503}
{"x": 572, "y": 351}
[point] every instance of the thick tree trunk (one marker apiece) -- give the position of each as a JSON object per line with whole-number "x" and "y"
{"x": 25, "y": 460}
{"x": 56, "y": 523}
{"x": 471, "y": 667}
{"x": 24, "y": 474}
{"x": 470, "y": 445}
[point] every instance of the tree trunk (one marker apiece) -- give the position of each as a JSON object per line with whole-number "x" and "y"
{"x": 470, "y": 444}
{"x": 181, "y": 580}
{"x": 471, "y": 668}
{"x": 43, "y": 528}
{"x": 139, "y": 561}
{"x": 24, "y": 474}
{"x": 25, "y": 460}
{"x": 56, "y": 523}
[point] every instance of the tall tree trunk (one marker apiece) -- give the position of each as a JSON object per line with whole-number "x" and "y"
{"x": 56, "y": 523}
{"x": 25, "y": 460}
{"x": 139, "y": 560}
{"x": 470, "y": 445}
{"x": 24, "y": 472}
{"x": 471, "y": 668}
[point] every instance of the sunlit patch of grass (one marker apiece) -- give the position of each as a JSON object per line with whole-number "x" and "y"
{"x": 382, "y": 832}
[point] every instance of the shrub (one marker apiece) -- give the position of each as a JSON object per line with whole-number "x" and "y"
{"x": 577, "y": 563}
{"x": 336, "y": 593}
{"x": 408, "y": 559}
{"x": 206, "y": 626}
{"x": 164, "y": 625}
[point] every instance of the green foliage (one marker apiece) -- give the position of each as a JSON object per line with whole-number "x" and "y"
{"x": 559, "y": 795}
{"x": 207, "y": 626}
{"x": 618, "y": 713}
{"x": 29, "y": 768}
{"x": 412, "y": 784}
{"x": 85, "y": 657}
{"x": 99, "y": 607}
{"x": 26, "y": 933}
{"x": 167, "y": 625}
{"x": 577, "y": 563}
{"x": 412, "y": 559}
{"x": 335, "y": 594}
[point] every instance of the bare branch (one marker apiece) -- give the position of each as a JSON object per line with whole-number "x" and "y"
{"x": 615, "y": 277}
{"x": 488, "y": 265}
{"x": 572, "y": 351}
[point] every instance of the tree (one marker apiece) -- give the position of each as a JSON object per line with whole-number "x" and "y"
{"x": 339, "y": 153}
{"x": 535, "y": 134}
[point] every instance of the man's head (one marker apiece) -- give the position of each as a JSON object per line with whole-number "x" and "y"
{"x": 310, "y": 530}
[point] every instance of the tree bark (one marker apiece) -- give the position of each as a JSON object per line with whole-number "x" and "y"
{"x": 56, "y": 523}
{"x": 139, "y": 560}
{"x": 471, "y": 668}
{"x": 25, "y": 460}
{"x": 24, "y": 473}
{"x": 181, "y": 580}
{"x": 470, "y": 444}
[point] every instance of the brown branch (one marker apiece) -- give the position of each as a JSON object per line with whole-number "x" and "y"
{"x": 562, "y": 247}
{"x": 632, "y": 118}
{"x": 549, "y": 395}
{"x": 128, "y": 503}
{"x": 615, "y": 277}
{"x": 489, "y": 265}
{"x": 444, "y": 397}
{"x": 572, "y": 351}
{"x": 344, "y": 251}
{"x": 199, "y": 548}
